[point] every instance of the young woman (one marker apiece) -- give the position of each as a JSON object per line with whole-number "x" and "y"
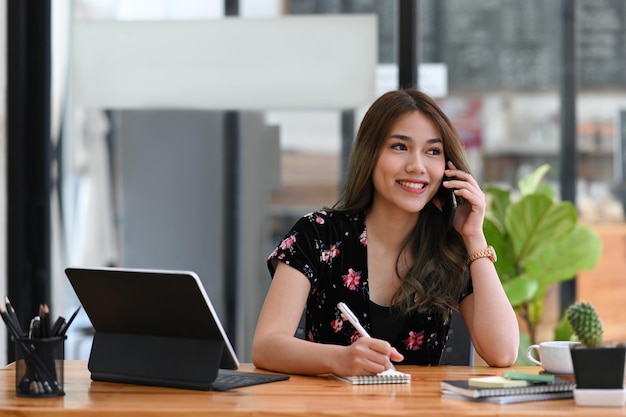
{"x": 395, "y": 251}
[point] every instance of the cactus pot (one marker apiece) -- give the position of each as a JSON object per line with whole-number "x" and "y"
{"x": 599, "y": 367}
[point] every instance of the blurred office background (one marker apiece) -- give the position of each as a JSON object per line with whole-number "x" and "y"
{"x": 190, "y": 134}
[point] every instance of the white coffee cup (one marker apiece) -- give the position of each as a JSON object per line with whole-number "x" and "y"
{"x": 554, "y": 357}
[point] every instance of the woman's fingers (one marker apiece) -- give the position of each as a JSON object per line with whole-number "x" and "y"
{"x": 373, "y": 355}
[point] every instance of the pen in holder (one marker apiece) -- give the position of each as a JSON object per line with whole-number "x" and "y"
{"x": 39, "y": 366}
{"x": 39, "y": 354}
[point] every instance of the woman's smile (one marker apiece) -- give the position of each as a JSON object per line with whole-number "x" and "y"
{"x": 412, "y": 185}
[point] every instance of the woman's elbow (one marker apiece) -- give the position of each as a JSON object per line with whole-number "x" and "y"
{"x": 503, "y": 360}
{"x": 258, "y": 357}
{"x": 499, "y": 354}
{"x": 263, "y": 352}
{"x": 503, "y": 356}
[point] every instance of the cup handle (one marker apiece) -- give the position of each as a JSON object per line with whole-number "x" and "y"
{"x": 529, "y": 354}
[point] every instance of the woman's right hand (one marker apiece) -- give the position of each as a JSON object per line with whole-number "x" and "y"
{"x": 367, "y": 356}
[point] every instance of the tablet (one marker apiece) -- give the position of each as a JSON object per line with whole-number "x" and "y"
{"x": 155, "y": 327}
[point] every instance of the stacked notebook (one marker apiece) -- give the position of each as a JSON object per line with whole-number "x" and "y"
{"x": 501, "y": 390}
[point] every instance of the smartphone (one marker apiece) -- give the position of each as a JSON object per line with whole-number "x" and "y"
{"x": 454, "y": 201}
{"x": 450, "y": 203}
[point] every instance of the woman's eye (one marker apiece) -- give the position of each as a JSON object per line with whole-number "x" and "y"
{"x": 436, "y": 151}
{"x": 399, "y": 146}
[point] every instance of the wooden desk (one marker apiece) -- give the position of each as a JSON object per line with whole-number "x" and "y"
{"x": 299, "y": 396}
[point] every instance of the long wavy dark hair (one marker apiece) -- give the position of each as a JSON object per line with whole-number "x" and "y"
{"x": 439, "y": 274}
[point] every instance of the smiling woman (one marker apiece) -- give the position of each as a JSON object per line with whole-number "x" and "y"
{"x": 387, "y": 250}
{"x": 410, "y": 166}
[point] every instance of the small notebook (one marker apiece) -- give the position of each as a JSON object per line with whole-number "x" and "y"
{"x": 462, "y": 387}
{"x": 390, "y": 376}
{"x": 496, "y": 382}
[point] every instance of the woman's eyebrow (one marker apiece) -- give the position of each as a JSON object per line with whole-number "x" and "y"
{"x": 399, "y": 136}
{"x": 408, "y": 138}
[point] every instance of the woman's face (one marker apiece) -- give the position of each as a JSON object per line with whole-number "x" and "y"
{"x": 410, "y": 165}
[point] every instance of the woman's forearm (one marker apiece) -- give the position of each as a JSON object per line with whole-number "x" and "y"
{"x": 494, "y": 325}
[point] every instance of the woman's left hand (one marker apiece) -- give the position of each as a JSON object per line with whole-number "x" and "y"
{"x": 469, "y": 215}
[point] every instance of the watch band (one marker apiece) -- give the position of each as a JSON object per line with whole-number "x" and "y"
{"x": 488, "y": 252}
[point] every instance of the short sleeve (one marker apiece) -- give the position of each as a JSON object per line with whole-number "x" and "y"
{"x": 298, "y": 248}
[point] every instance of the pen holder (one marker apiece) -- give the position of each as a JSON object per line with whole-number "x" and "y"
{"x": 39, "y": 366}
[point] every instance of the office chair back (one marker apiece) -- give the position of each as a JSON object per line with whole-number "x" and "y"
{"x": 459, "y": 349}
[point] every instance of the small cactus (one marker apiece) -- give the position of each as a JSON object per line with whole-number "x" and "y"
{"x": 586, "y": 324}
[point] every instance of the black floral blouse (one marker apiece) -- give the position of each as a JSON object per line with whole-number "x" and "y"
{"x": 330, "y": 249}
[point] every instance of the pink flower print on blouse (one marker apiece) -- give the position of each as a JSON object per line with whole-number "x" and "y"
{"x": 414, "y": 341}
{"x": 288, "y": 242}
{"x": 355, "y": 336}
{"x": 316, "y": 217}
{"x": 352, "y": 279}
{"x": 363, "y": 238}
{"x": 337, "y": 325}
{"x": 328, "y": 255}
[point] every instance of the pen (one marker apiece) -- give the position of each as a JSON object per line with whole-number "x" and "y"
{"x": 56, "y": 327}
{"x": 64, "y": 327}
{"x": 44, "y": 328}
{"x": 343, "y": 307}
{"x": 34, "y": 330}
{"x": 11, "y": 315}
{"x": 352, "y": 318}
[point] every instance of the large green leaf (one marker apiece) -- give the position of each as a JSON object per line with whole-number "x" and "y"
{"x": 506, "y": 262}
{"x": 536, "y": 222}
{"x": 520, "y": 289}
{"x": 524, "y": 344}
{"x": 562, "y": 260}
{"x": 499, "y": 200}
{"x": 547, "y": 190}
{"x": 539, "y": 242}
{"x": 530, "y": 183}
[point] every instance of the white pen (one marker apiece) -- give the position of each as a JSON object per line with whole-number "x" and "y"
{"x": 352, "y": 318}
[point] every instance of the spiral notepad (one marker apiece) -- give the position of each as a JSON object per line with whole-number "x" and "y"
{"x": 390, "y": 376}
{"x": 462, "y": 387}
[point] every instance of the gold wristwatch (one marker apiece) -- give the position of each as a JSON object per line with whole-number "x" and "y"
{"x": 489, "y": 252}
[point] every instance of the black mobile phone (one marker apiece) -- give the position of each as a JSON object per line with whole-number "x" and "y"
{"x": 450, "y": 203}
{"x": 453, "y": 199}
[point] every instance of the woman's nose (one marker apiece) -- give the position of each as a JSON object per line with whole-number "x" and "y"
{"x": 415, "y": 163}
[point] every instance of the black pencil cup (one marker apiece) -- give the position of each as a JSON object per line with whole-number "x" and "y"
{"x": 39, "y": 366}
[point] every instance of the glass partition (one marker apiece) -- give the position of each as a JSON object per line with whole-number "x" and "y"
{"x": 495, "y": 65}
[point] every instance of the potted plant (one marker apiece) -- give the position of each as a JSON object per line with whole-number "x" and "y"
{"x": 598, "y": 365}
{"x": 540, "y": 242}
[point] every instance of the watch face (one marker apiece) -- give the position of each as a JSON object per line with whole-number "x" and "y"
{"x": 492, "y": 254}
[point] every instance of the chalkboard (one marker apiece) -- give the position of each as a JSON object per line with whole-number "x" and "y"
{"x": 501, "y": 43}
{"x": 602, "y": 41}
{"x": 517, "y": 44}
